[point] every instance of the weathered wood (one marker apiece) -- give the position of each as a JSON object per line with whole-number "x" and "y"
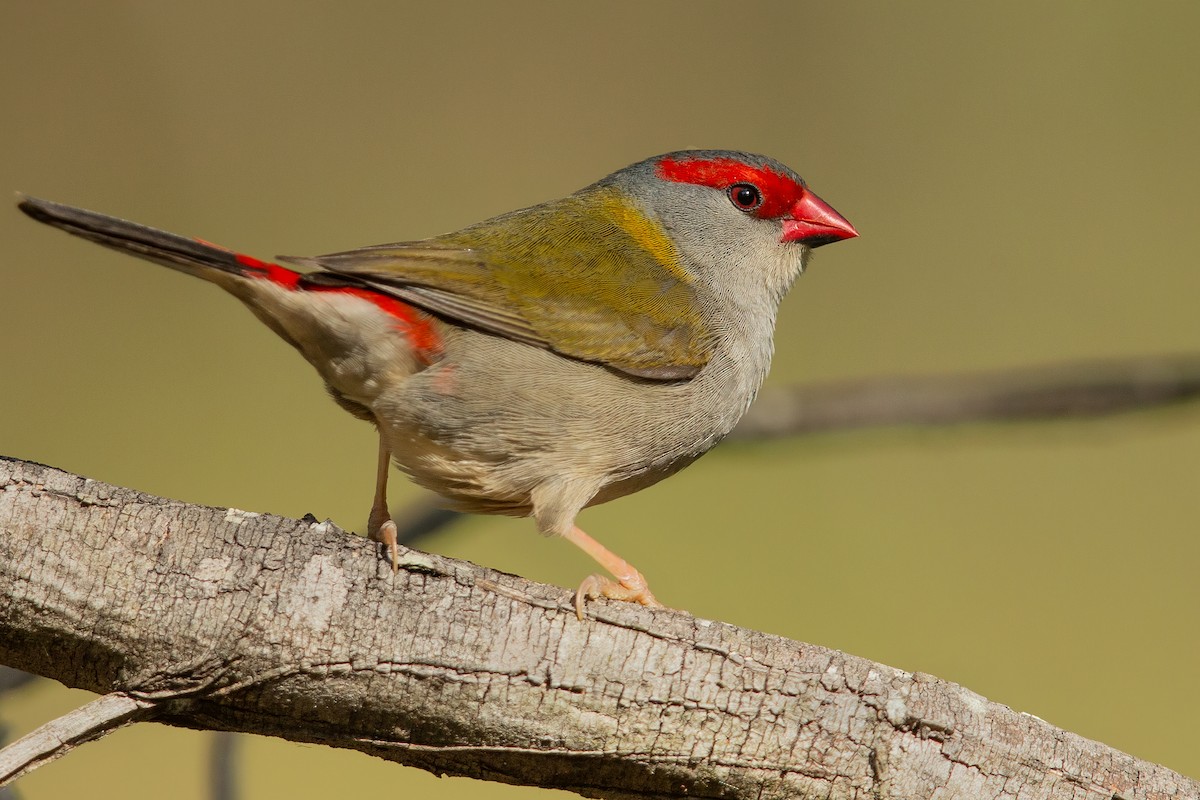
{"x": 236, "y": 621}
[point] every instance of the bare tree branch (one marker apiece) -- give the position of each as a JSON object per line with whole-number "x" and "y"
{"x": 1072, "y": 389}
{"x": 227, "y": 620}
{"x": 60, "y": 736}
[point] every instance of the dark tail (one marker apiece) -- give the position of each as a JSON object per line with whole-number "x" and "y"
{"x": 178, "y": 252}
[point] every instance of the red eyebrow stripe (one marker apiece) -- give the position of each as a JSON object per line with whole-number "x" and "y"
{"x": 780, "y": 192}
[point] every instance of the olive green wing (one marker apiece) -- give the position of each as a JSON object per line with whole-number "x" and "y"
{"x": 590, "y": 278}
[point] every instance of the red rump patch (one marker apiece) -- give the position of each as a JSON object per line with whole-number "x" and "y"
{"x": 414, "y": 324}
{"x": 780, "y": 192}
{"x": 283, "y": 276}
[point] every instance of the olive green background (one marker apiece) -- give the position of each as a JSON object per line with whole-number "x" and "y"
{"x": 1026, "y": 181}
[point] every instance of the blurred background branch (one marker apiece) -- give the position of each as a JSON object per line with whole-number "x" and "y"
{"x": 1069, "y": 390}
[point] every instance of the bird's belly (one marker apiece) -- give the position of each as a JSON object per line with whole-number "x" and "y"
{"x": 467, "y": 481}
{"x": 487, "y": 486}
{"x": 495, "y": 419}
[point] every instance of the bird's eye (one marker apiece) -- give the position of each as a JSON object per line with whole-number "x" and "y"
{"x": 745, "y": 196}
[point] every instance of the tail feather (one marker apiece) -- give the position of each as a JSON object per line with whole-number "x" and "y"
{"x": 168, "y": 249}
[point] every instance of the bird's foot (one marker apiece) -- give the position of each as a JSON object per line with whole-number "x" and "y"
{"x": 632, "y": 589}
{"x": 384, "y": 531}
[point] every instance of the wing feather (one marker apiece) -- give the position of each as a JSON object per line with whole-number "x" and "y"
{"x": 589, "y": 277}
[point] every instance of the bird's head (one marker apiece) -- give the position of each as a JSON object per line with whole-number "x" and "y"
{"x": 739, "y": 220}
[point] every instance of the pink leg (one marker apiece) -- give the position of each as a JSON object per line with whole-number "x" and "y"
{"x": 380, "y": 527}
{"x": 629, "y": 584}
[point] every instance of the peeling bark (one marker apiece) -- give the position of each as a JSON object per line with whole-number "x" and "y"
{"x": 228, "y": 620}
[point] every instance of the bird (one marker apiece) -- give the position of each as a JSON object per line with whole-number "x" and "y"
{"x": 547, "y": 359}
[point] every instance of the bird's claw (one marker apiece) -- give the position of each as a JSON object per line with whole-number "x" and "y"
{"x": 386, "y": 534}
{"x": 631, "y": 589}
